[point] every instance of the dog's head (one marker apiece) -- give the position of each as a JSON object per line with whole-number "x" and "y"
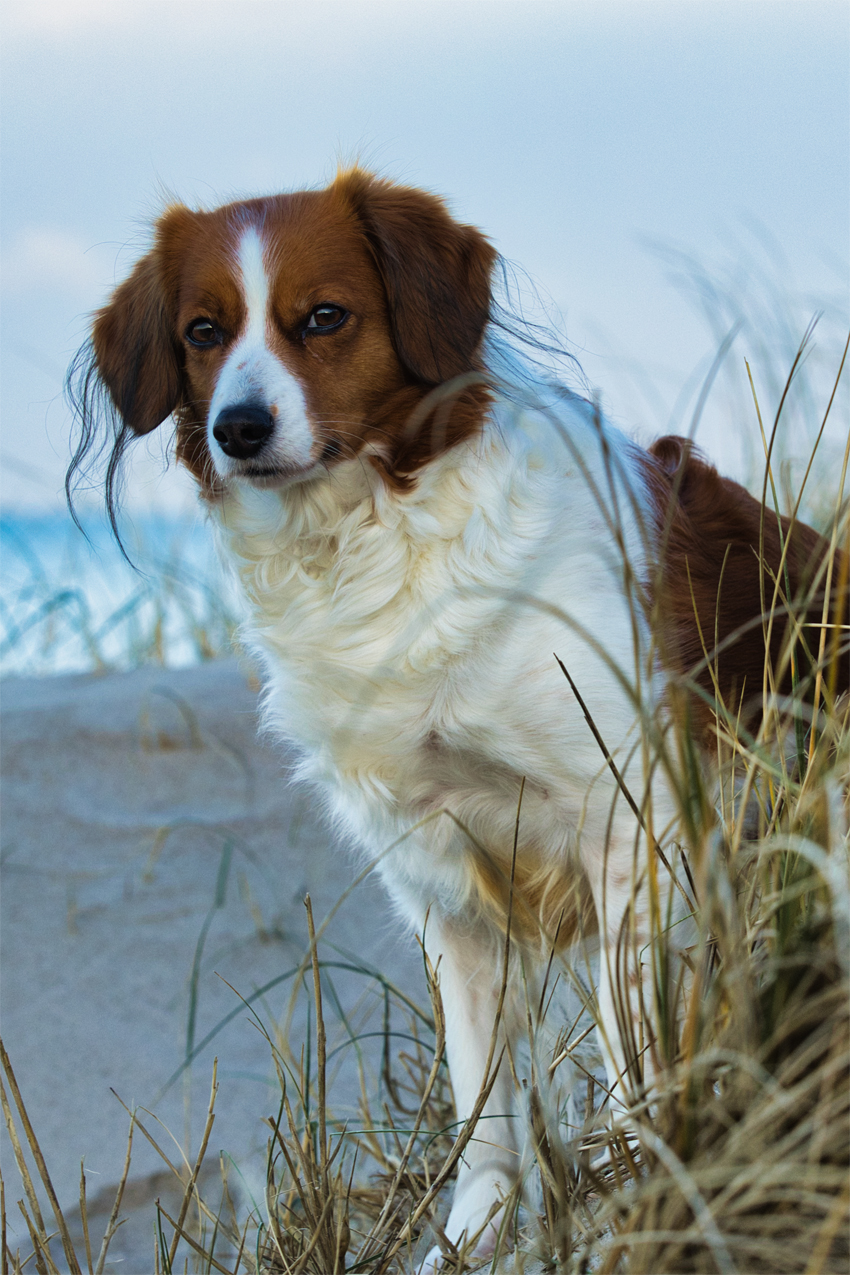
{"x": 290, "y": 332}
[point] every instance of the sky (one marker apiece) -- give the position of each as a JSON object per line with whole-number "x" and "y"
{"x": 659, "y": 171}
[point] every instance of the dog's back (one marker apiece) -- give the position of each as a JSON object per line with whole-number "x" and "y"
{"x": 735, "y": 582}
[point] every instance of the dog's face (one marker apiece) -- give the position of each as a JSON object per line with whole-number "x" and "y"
{"x": 288, "y": 333}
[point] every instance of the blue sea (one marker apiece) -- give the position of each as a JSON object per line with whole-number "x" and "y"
{"x": 71, "y": 602}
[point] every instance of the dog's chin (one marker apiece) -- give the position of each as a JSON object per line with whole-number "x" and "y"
{"x": 274, "y": 477}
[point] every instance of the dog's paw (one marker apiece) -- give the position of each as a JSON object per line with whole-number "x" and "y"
{"x": 436, "y": 1263}
{"x": 476, "y": 1224}
{"x": 433, "y": 1262}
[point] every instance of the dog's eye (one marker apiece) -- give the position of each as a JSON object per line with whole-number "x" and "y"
{"x": 202, "y": 332}
{"x": 326, "y": 318}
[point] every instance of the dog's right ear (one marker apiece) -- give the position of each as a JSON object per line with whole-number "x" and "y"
{"x": 436, "y": 273}
{"x": 135, "y": 343}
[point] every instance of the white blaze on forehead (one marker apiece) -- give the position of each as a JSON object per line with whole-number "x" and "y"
{"x": 255, "y": 281}
{"x": 254, "y": 374}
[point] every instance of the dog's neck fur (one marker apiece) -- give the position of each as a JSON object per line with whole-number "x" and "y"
{"x": 363, "y": 597}
{"x": 358, "y": 551}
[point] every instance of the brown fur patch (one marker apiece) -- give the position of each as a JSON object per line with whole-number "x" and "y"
{"x": 710, "y": 532}
{"x": 552, "y": 904}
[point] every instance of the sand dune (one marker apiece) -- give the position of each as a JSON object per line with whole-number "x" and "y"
{"x": 128, "y": 799}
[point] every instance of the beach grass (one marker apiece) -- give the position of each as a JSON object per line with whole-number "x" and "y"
{"x": 77, "y": 603}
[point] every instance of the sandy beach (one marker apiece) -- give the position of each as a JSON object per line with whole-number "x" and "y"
{"x": 142, "y": 813}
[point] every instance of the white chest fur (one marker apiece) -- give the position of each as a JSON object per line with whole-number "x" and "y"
{"x": 409, "y": 639}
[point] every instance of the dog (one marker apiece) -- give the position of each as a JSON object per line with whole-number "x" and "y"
{"x": 420, "y": 523}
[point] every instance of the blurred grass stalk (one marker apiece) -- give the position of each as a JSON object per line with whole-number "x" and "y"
{"x": 69, "y": 605}
{"x": 736, "y": 1162}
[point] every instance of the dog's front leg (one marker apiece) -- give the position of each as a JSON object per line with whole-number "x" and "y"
{"x": 640, "y": 964}
{"x": 471, "y": 972}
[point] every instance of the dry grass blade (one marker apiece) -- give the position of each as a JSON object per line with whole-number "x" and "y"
{"x": 825, "y": 626}
{"x": 84, "y": 1219}
{"x": 70, "y": 1255}
{"x": 839, "y": 1214}
{"x": 202, "y": 1150}
{"x": 621, "y": 784}
{"x": 44, "y": 1263}
{"x": 136, "y": 1123}
{"x": 464, "y": 1137}
{"x": 113, "y": 1223}
{"x": 321, "y": 1048}
{"x": 4, "y": 1256}
{"x": 439, "y": 1049}
{"x": 21, "y": 1163}
{"x": 209, "y": 1260}
{"x": 691, "y": 1193}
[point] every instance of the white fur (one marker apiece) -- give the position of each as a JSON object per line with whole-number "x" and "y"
{"x": 409, "y": 643}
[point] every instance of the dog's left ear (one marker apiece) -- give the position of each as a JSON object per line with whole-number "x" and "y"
{"x": 436, "y": 273}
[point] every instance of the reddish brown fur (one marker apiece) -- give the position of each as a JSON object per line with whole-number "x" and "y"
{"x": 417, "y": 285}
{"x": 710, "y": 530}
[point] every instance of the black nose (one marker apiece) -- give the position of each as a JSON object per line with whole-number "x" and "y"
{"x": 242, "y": 431}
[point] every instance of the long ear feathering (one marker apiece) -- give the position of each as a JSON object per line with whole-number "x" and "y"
{"x": 529, "y": 325}
{"x": 128, "y": 378}
{"x": 99, "y": 430}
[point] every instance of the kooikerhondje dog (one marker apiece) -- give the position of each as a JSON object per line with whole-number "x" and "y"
{"x": 419, "y": 526}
